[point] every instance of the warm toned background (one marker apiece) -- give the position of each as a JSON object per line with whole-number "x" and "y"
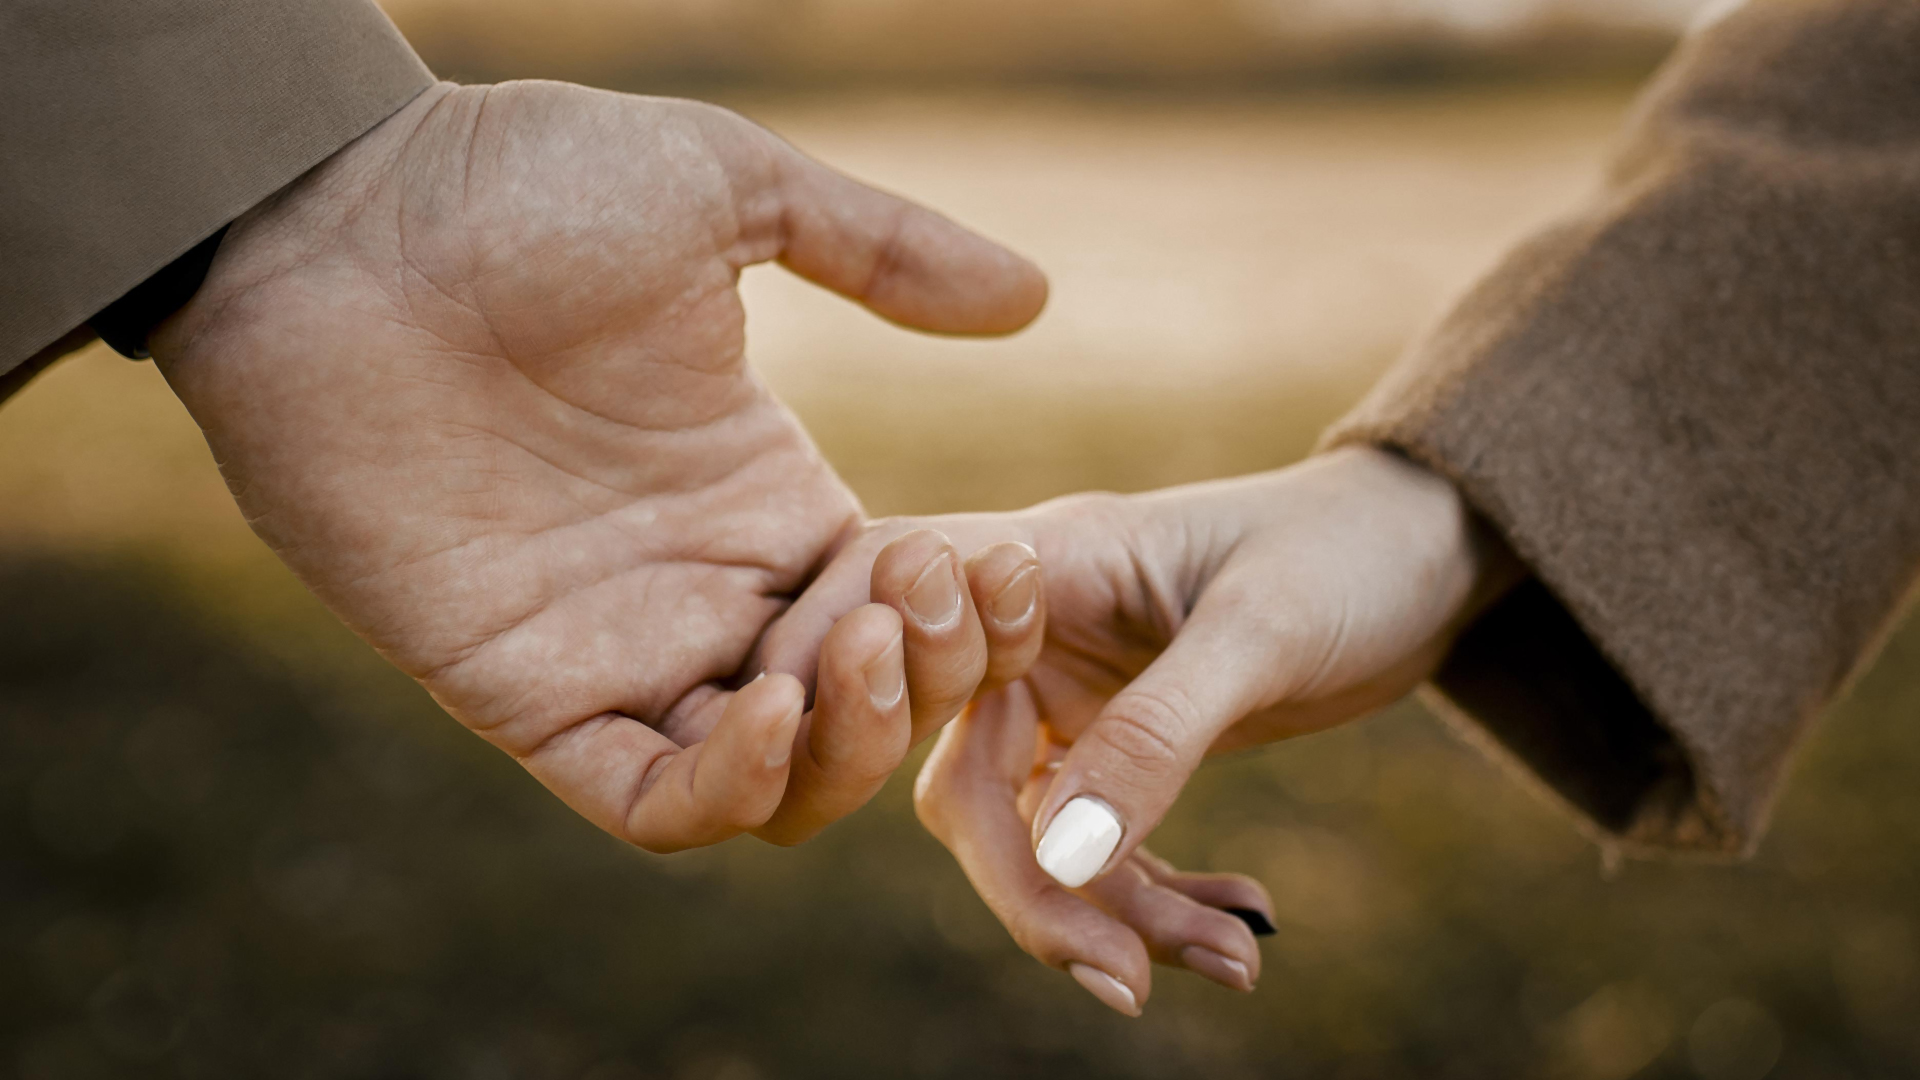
{"x": 232, "y": 843}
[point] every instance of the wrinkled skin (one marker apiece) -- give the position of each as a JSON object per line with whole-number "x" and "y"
{"x": 480, "y": 380}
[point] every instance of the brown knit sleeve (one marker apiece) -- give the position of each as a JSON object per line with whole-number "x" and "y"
{"x": 1693, "y": 409}
{"x": 130, "y": 130}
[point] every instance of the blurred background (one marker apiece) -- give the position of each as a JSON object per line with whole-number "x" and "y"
{"x": 234, "y": 844}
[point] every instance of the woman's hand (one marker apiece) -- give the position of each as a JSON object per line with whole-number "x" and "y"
{"x": 480, "y": 381}
{"x": 1179, "y": 623}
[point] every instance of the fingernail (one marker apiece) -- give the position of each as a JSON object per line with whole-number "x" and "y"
{"x": 1221, "y": 969}
{"x": 1256, "y": 921}
{"x": 1078, "y": 841}
{"x": 781, "y": 751}
{"x": 1111, "y": 991}
{"x": 934, "y": 600}
{"x": 887, "y": 677}
{"x": 1016, "y": 602}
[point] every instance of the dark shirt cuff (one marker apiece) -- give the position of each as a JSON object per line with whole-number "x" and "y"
{"x": 125, "y": 323}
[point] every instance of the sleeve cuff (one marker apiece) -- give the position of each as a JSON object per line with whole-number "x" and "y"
{"x": 1689, "y": 411}
{"x": 143, "y": 128}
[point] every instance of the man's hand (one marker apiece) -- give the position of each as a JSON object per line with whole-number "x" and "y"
{"x": 480, "y": 380}
{"x": 1178, "y": 623}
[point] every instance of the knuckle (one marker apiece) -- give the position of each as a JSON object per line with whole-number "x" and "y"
{"x": 750, "y": 813}
{"x": 1034, "y": 943}
{"x": 931, "y": 795}
{"x": 939, "y": 694}
{"x": 943, "y": 797}
{"x": 1030, "y": 929}
{"x": 931, "y": 786}
{"x": 884, "y": 529}
{"x": 1181, "y": 924}
{"x": 893, "y": 256}
{"x": 720, "y": 123}
{"x": 1148, "y": 729}
{"x": 1097, "y": 508}
{"x": 932, "y": 816}
{"x": 856, "y": 749}
{"x": 851, "y": 771}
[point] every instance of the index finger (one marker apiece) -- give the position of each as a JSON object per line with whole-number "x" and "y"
{"x": 902, "y": 261}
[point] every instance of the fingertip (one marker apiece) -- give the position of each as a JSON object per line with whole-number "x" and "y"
{"x": 1230, "y": 940}
{"x": 874, "y": 646}
{"x": 1028, "y": 291}
{"x": 729, "y": 782}
{"x": 920, "y": 575}
{"x": 861, "y": 637}
{"x": 886, "y": 674}
{"x": 770, "y": 707}
{"x": 1225, "y": 970}
{"x": 1009, "y": 593}
{"x": 1236, "y": 894}
{"x": 903, "y": 261}
{"x": 1131, "y": 762}
{"x": 1005, "y": 579}
{"x": 863, "y": 691}
{"x": 1078, "y": 842}
{"x": 948, "y": 279}
{"x": 1068, "y": 932}
{"x": 1012, "y": 291}
{"x": 770, "y": 694}
{"x": 1111, "y": 992}
{"x": 858, "y": 732}
{"x": 905, "y": 561}
{"x": 1111, "y": 962}
{"x": 1258, "y": 922}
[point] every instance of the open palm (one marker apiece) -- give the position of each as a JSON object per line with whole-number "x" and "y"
{"x": 481, "y": 381}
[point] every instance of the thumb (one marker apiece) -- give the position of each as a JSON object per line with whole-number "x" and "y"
{"x": 903, "y": 261}
{"x": 1124, "y": 771}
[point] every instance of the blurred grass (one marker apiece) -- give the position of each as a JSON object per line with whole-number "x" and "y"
{"x": 233, "y": 843}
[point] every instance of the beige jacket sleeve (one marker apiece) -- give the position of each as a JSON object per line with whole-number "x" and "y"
{"x": 1694, "y": 410}
{"x": 130, "y": 130}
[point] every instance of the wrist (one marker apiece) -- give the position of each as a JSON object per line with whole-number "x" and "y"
{"x": 1497, "y": 568}
{"x": 290, "y": 226}
{"x": 1462, "y": 543}
{"x": 1401, "y": 534}
{"x": 125, "y": 324}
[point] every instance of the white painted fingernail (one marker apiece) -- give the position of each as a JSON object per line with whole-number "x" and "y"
{"x": 1078, "y": 841}
{"x": 1111, "y": 991}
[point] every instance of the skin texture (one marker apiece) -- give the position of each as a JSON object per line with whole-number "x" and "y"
{"x": 480, "y": 380}
{"x": 1180, "y": 623}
